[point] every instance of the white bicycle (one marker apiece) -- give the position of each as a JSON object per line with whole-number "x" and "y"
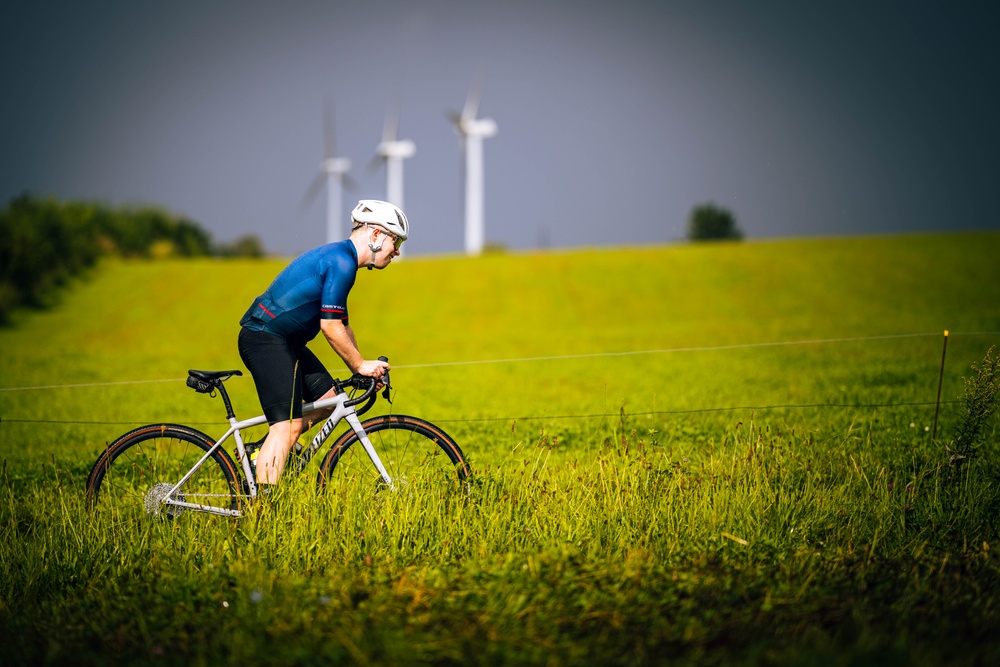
{"x": 165, "y": 469}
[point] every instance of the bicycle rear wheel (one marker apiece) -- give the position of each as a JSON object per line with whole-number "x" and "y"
{"x": 134, "y": 474}
{"x": 418, "y": 456}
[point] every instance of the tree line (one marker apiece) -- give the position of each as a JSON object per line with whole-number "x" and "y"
{"x": 709, "y": 222}
{"x": 45, "y": 242}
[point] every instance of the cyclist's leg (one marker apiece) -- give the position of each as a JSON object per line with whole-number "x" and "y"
{"x": 274, "y": 450}
{"x": 313, "y": 382}
{"x": 275, "y": 367}
{"x": 317, "y": 384}
{"x": 284, "y": 375}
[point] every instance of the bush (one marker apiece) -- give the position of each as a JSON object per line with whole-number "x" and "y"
{"x": 245, "y": 246}
{"x": 708, "y": 222}
{"x": 981, "y": 393}
{"x": 44, "y": 243}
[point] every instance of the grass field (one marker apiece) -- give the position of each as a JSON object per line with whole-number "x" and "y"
{"x": 696, "y": 454}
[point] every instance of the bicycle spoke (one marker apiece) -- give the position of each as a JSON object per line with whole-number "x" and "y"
{"x": 413, "y": 453}
{"x": 141, "y": 468}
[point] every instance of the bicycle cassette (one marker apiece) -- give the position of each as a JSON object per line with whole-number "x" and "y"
{"x": 154, "y": 501}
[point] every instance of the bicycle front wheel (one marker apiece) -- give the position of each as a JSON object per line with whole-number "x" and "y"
{"x": 134, "y": 475}
{"x": 417, "y": 455}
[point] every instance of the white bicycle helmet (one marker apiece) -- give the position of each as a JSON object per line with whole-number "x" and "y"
{"x": 381, "y": 214}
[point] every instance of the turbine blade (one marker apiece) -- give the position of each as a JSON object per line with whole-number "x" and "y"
{"x": 390, "y": 130}
{"x": 350, "y": 183}
{"x": 475, "y": 95}
{"x": 329, "y": 134}
{"x": 457, "y": 121}
{"x": 313, "y": 191}
{"x": 374, "y": 164}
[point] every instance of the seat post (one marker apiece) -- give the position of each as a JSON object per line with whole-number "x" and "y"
{"x": 225, "y": 399}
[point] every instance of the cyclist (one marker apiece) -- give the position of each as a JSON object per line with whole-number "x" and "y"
{"x": 308, "y": 297}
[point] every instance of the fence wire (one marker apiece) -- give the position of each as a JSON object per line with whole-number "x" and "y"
{"x": 590, "y": 355}
{"x": 598, "y": 415}
{"x": 593, "y": 355}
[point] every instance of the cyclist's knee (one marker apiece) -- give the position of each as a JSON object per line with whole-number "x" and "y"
{"x": 286, "y": 431}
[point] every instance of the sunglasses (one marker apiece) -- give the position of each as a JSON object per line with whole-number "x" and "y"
{"x": 396, "y": 241}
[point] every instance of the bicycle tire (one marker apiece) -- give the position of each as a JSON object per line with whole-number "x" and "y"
{"x": 133, "y": 473}
{"x": 413, "y": 451}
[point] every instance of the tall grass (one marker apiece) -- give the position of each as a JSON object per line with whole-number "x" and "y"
{"x": 615, "y": 516}
{"x": 765, "y": 542}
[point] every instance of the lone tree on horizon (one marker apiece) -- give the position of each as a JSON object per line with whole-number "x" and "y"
{"x": 708, "y": 222}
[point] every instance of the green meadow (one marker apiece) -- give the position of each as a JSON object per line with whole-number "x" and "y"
{"x": 695, "y": 454}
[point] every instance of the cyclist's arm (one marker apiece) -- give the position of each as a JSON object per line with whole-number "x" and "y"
{"x": 341, "y": 338}
{"x": 350, "y": 332}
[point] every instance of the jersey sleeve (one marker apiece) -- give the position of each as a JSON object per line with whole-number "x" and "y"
{"x": 337, "y": 283}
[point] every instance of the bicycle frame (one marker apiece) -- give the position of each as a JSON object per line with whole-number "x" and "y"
{"x": 340, "y": 412}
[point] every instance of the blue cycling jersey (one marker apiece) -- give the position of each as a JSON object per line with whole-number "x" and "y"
{"x": 313, "y": 287}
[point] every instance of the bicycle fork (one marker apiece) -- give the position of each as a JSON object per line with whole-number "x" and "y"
{"x": 355, "y": 423}
{"x": 340, "y": 412}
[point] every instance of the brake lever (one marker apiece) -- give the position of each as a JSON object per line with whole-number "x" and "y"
{"x": 388, "y": 386}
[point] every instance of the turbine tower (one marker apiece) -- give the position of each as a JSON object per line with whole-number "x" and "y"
{"x": 473, "y": 130}
{"x": 392, "y": 152}
{"x": 333, "y": 173}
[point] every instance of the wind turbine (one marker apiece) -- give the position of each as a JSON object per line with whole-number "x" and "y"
{"x": 333, "y": 173}
{"x": 392, "y": 152}
{"x": 473, "y": 130}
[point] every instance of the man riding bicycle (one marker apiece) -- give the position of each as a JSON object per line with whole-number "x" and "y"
{"x": 310, "y": 296}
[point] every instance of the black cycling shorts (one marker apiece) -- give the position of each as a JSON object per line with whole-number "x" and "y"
{"x": 285, "y": 374}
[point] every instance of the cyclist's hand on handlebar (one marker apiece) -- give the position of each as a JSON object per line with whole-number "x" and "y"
{"x": 374, "y": 368}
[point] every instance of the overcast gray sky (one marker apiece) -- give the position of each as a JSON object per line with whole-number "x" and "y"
{"x": 615, "y": 117}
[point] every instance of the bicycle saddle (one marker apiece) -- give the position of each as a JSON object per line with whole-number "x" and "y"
{"x": 212, "y": 376}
